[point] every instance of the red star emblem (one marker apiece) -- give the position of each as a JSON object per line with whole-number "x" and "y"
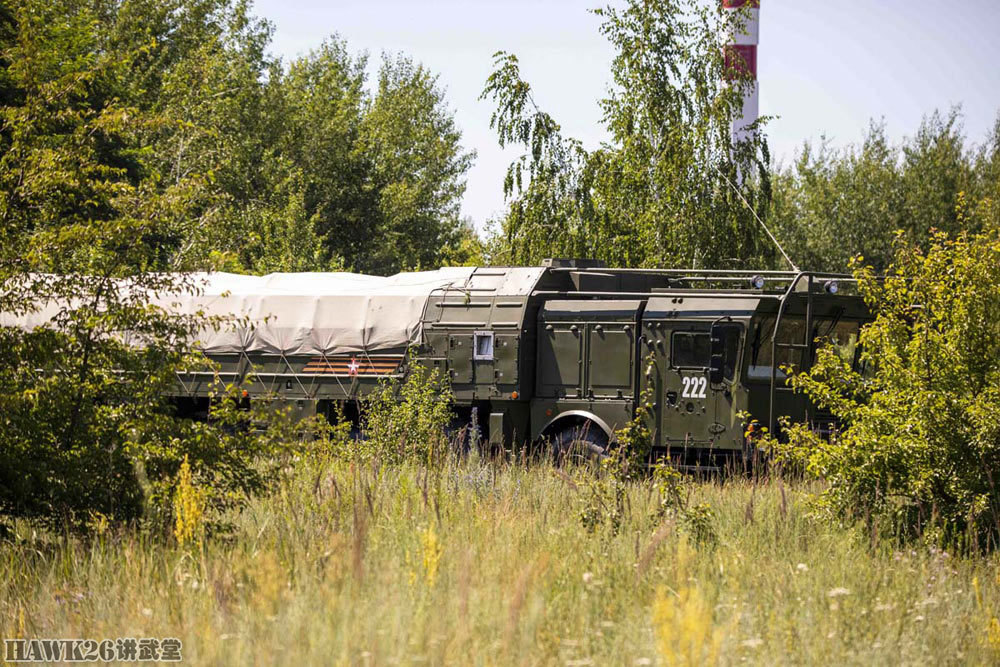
{"x": 352, "y": 368}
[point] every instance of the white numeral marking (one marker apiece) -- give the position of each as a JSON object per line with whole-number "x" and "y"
{"x": 694, "y": 387}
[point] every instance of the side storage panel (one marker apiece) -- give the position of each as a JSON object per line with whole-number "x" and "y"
{"x": 560, "y": 359}
{"x": 611, "y": 360}
{"x": 460, "y": 358}
{"x": 505, "y": 359}
{"x": 586, "y": 349}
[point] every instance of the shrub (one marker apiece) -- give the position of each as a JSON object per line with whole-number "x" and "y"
{"x": 408, "y": 420}
{"x": 919, "y": 451}
{"x": 695, "y": 519}
{"x": 98, "y": 436}
{"x": 605, "y": 498}
{"x": 96, "y": 222}
{"x": 238, "y": 453}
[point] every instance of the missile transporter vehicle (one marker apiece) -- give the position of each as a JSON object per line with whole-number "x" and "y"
{"x": 558, "y": 354}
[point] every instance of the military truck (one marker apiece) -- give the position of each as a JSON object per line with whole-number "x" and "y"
{"x": 558, "y": 353}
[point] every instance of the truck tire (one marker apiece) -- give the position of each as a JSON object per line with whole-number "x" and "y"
{"x": 580, "y": 442}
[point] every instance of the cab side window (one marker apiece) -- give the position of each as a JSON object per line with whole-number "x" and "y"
{"x": 690, "y": 349}
{"x": 731, "y": 349}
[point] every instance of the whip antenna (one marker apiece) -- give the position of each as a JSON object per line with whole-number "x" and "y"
{"x": 758, "y": 219}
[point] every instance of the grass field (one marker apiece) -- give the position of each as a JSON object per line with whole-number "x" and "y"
{"x": 489, "y": 564}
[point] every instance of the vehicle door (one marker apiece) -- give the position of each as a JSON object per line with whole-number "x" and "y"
{"x": 697, "y": 401}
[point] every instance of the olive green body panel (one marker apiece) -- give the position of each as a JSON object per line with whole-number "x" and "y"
{"x": 610, "y": 360}
{"x": 560, "y": 361}
{"x": 478, "y": 332}
{"x": 586, "y": 349}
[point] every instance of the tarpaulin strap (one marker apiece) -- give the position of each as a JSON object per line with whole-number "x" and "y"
{"x": 270, "y": 388}
{"x": 294, "y": 374}
{"x": 336, "y": 376}
{"x": 183, "y": 384}
{"x": 371, "y": 363}
{"x": 243, "y": 353}
{"x": 250, "y": 364}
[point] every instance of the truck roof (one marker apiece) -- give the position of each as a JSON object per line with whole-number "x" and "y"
{"x": 345, "y": 313}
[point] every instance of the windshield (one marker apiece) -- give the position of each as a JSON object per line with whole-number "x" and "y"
{"x": 840, "y": 333}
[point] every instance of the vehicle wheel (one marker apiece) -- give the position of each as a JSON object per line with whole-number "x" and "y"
{"x": 581, "y": 443}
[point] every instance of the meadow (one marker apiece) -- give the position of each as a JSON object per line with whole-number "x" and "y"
{"x": 488, "y": 563}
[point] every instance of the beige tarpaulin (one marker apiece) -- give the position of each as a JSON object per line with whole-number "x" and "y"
{"x": 301, "y": 313}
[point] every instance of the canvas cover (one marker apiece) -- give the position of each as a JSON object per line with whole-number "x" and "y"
{"x": 301, "y": 313}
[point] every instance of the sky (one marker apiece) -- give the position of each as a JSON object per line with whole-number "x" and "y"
{"x": 825, "y": 68}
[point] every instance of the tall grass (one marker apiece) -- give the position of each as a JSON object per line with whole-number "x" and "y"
{"x": 489, "y": 563}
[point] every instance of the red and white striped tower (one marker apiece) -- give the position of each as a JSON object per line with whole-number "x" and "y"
{"x": 741, "y": 57}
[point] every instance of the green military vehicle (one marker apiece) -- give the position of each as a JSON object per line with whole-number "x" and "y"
{"x": 558, "y": 353}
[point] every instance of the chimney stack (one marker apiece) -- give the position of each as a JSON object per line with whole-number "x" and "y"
{"x": 740, "y": 58}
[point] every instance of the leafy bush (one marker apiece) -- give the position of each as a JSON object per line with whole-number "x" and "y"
{"x": 665, "y": 188}
{"x": 408, "y": 420}
{"x": 93, "y": 439}
{"x": 241, "y": 451}
{"x": 605, "y": 501}
{"x": 832, "y": 203}
{"x": 919, "y": 452}
{"x": 696, "y": 519}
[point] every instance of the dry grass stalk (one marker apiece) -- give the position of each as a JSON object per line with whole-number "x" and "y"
{"x": 661, "y": 534}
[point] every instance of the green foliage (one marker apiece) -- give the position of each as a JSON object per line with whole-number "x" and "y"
{"x": 284, "y": 236}
{"x": 139, "y": 137}
{"x": 83, "y": 212}
{"x": 832, "y": 205}
{"x": 94, "y": 207}
{"x": 407, "y": 420}
{"x": 605, "y": 500}
{"x": 697, "y": 519}
{"x": 417, "y": 172}
{"x": 241, "y": 451}
{"x": 920, "y": 445}
{"x": 666, "y": 191}
{"x": 262, "y": 167}
{"x": 383, "y": 173}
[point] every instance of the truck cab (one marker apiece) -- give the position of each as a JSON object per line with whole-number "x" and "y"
{"x": 706, "y": 347}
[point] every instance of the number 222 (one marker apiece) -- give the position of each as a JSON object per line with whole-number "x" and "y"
{"x": 694, "y": 387}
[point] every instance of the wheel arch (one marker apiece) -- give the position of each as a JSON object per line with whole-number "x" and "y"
{"x": 573, "y": 418}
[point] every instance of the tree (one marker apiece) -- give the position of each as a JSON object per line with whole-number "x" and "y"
{"x": 936, "y": 170}
{"x": 919, "y": 449}
{"x": 833, "y": 205}
{"x": 324, "y": 103}
{"x": 550, "y": 210}
{"x": 85, "y": 208}
{"x": 139, "y": 140}
{"x": 201, "y": 67}
{"x": 666, "y": 191}
{"x": 304, "y": 167}
{"x": 384, "y": 172}
{"x": 418, "y": 170}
